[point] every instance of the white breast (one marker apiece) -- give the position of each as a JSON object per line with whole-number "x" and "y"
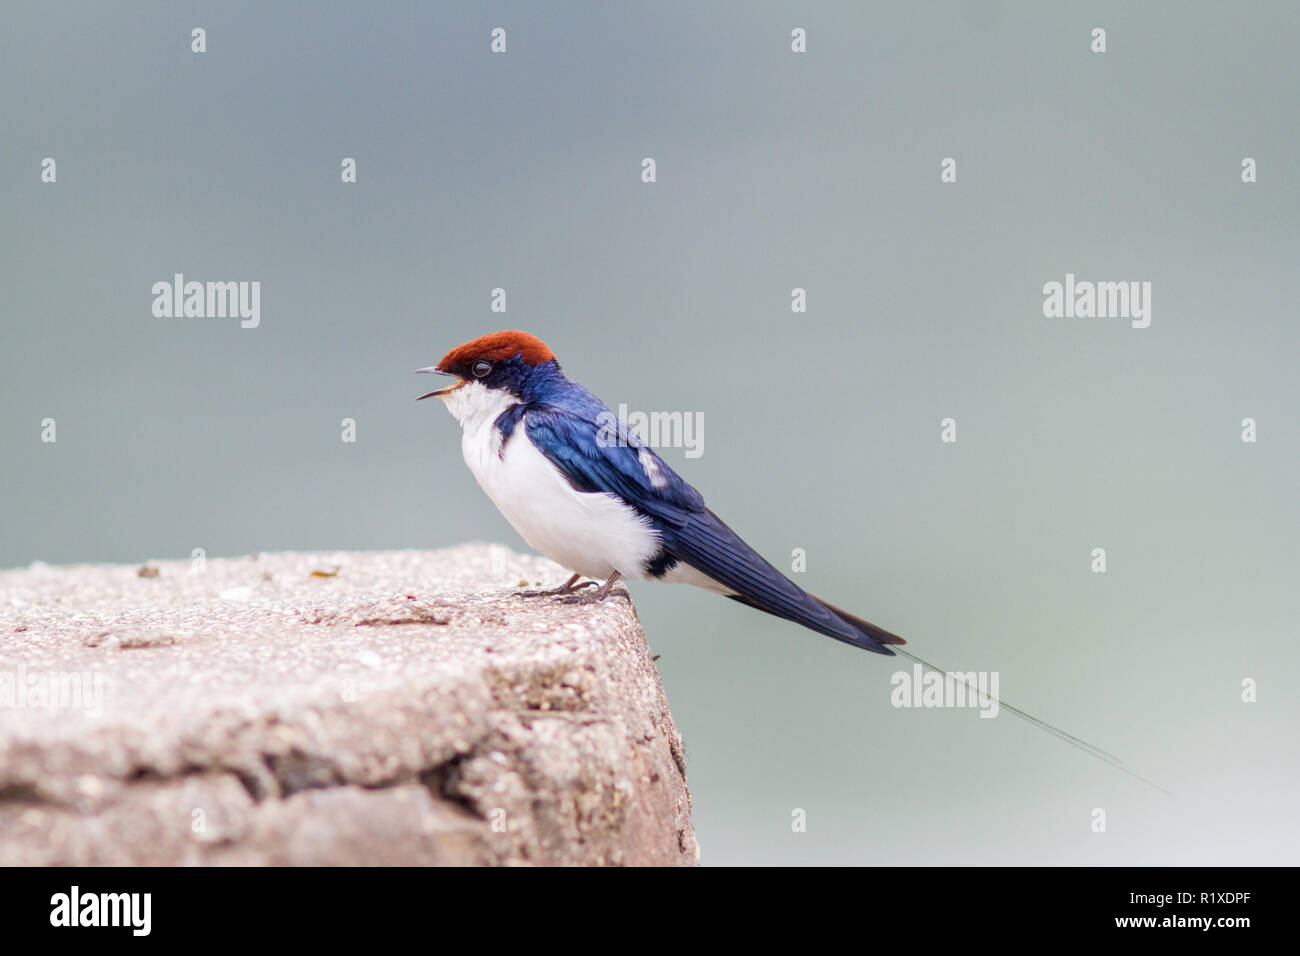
{"x": 592, "y": 534}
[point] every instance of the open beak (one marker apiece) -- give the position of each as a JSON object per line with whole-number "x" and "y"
{"x": 446, "y": 389}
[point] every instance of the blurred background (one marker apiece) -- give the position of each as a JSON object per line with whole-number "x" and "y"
{"x": 775, "y": 171}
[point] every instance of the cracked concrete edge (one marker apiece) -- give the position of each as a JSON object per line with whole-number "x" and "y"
{"x": 479, "y": 728}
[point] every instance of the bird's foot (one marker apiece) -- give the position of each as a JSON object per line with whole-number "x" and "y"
{"x": 568, "y": 587}
{"x": 598, "y": 595}
{"x": 594, "y": 597}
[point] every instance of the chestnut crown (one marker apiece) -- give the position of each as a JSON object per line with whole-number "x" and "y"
{"x": 476, "y": 359}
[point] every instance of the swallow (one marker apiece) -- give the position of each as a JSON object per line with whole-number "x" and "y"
{"x": 587, "y": 492}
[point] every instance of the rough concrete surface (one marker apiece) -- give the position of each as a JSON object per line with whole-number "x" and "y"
{"x": 410, "y": 709}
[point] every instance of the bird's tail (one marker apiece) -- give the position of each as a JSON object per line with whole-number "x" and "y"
{"x": 877, "y": 634}
{"x": 882, "y": 636}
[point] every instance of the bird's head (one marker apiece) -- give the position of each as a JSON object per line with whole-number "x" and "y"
{"x": 491, "y": 369}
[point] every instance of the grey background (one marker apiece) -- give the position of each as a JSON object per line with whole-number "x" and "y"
{"x": 775, "y": 170}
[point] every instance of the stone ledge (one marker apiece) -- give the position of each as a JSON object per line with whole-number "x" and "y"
{"x": 408, "y": 709}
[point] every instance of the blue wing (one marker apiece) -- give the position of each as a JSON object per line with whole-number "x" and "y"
{"x": 597, "y": 454}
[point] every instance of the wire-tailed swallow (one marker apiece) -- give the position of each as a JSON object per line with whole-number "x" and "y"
{"x": 589, "y": 494}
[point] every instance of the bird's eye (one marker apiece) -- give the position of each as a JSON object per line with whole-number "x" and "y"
{"x": 481, "y": 368}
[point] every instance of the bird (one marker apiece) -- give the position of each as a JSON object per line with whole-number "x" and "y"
{"x": 591, "y": 495}
{"x": 586, "y": 491}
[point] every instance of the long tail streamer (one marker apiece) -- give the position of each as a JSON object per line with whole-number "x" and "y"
{"x": 1069, "y": 738}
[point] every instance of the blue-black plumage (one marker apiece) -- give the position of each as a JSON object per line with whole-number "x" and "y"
{"x": 589, "y": 494}
{"x": 597, "y": 455}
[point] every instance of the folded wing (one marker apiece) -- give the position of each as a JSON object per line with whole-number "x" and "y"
{"x": 603, "y": 456}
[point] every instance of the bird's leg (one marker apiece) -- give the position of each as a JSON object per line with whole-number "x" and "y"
{"x": 568, "y": 587}
{"x": 603, "y": 591}
{"x": 598, "y": 595}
